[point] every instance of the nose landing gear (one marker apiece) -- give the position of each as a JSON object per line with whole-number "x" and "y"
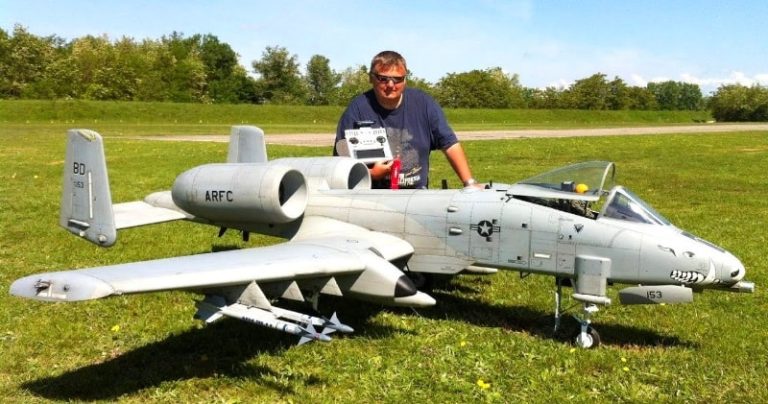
{"x": 586, "y": 337}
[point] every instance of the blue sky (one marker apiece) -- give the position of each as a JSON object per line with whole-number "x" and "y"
{"x": 545, "y": 42}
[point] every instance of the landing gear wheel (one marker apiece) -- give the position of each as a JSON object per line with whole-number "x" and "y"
{"x": 587, "y": 340}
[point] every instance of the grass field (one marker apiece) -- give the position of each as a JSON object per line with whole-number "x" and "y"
{"x": 488, "y": 339}
{"x": 138, "y": 118}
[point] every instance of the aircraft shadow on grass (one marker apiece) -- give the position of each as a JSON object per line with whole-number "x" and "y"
{"x": 534, "y": 322}
{"x": 225, "y": 348}
{"x": 220, "y": 349}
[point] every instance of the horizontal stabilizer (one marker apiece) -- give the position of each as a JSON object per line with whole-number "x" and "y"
{"x": 138, "y": 213}
{"x": 668, "y": 294}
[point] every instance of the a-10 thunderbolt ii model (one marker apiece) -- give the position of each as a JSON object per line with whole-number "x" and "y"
{"x": 349, "y": 240}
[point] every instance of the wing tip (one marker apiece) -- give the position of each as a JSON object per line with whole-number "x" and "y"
{"x": 68, "y": 286}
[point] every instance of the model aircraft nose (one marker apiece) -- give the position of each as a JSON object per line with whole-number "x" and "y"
{"x": 732, "y": 269}
{"x": 738, "y": 273}
{"x": 733, "y": 276}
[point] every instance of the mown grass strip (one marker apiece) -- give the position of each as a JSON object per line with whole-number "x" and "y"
{"x": 310, "y": 119}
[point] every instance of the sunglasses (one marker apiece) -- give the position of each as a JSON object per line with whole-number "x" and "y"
{"x": 385, "y": 79}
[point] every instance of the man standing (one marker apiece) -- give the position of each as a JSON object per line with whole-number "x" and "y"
{"x": 414, "y": 123}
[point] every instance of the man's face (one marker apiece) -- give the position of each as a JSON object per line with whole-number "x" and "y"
{"x": 388, "y": 84}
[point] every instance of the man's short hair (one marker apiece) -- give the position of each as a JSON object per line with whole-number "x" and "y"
{"x": 387, "y": 59}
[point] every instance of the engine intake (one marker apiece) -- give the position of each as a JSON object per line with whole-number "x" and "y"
{"x": 331, "y": 172}
{"x": 253, "y": 193}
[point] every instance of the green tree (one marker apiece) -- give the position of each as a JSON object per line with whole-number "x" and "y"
{"x": 666, "y": 94}
{"x": 690, "y": 97}
{"x": 736, "y": 102}
{"x": 549, "y": 98}
{"x": 153, "y": 85}
{"x": 618, "y": 95}
{"x": 236, "y": 88}
{"x": 183, "y": 69}
{"x": 641, "y": 99}
{"x": 219, "y": 59}
{"x": 673, "y": 95}
{"x": 25, "y": 57}
{"x": 490, "y": 88}
{"x": 98, "y": 70}
{"x": 322, "y": 80}
{"x": 354, "y": 81}
{"x": 226, "y": 80}
{"x": 421, "y": 84}
{"x": 280, "y": 81}
{"x": 589, "y": 93}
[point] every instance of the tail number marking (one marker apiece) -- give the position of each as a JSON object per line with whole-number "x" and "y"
{"x": 78, "y": 168}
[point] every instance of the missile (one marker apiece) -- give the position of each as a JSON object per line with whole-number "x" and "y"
{"x": 267, "y": 319}
{"x": 310, "y": 334}
{"x": 264, "y": 318}
{"x": 333, "y": 324}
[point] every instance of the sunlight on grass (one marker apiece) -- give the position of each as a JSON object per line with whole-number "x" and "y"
{"x": 489, "y": 338}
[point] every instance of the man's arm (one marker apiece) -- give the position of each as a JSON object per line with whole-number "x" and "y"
{"x": 457, "y": 158}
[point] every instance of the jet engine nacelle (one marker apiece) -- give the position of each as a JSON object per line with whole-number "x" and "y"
{"x": 330, "y": 172}
{"x": 241, "y": 192}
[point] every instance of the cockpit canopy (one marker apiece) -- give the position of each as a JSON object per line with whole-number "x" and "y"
{"x": 586, "y": 181}
{"x": 622, "y": 204}
{"x": 580, "y": 188}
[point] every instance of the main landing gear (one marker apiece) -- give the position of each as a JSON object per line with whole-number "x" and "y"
{"x": 586, "y": 337}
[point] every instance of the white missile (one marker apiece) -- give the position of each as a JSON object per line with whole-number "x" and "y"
{"x": 265, "y": 318}
{"x": 333, "y": 324}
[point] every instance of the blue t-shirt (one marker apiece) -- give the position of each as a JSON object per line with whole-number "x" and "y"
{"x": 414, "y": 129}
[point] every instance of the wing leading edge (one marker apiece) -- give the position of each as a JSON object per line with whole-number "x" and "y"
{"x": 265, "y": 264}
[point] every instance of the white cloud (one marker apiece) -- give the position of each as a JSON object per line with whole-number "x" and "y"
{"x": 734, "y": 77}
{"x": 637, "y": 80}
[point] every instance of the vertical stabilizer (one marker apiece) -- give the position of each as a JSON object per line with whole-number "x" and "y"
{"x": 86, "y": 203}
{"x": 246, "y": 145}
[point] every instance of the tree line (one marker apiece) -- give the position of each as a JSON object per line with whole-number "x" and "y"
{"x": 200, "y": 68}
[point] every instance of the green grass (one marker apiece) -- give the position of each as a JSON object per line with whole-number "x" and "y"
{"x": 158, "y": 118}
{"x": 495, "y": 329}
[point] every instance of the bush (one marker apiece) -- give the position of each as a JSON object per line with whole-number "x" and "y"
{"x": 738, "y": 103}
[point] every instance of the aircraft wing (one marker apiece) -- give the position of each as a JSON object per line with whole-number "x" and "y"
{"x": 288, "y": 261}
{"x": 316, "y": 254}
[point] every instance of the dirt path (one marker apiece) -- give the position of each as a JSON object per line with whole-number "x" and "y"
{"x": 325, "y": 139}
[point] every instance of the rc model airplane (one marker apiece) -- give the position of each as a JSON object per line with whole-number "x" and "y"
{"x": 348, "y": 240}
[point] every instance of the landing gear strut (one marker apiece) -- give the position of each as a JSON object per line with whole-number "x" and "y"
{"x": 587, "y": 337}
